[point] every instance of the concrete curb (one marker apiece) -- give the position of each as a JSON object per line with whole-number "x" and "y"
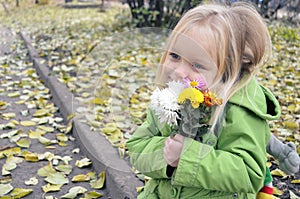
{"x": 121, "y": 183}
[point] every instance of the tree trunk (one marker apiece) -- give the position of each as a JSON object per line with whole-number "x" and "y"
{"x": 135, "y": 6}
{"x": 156, "y": 6}
{"x": 159, "y": 13}
{"x": 102, "y": 9}
{"x": 5, "y": 7}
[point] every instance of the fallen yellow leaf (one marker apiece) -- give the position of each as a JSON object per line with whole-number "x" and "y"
{"x": 27, "y": 123}
{"x": 99, "y": 183}
{"x": 81, "y": 178}
{"x": 291, "y": 124}
{"x": 51, "y": 187}
{"x": 11, "y": 151}
{"x": 31, "y": 157}
{"x": 20, "y": 193}
{"x": 277, "y": 192}
{"x": 296, "y": 181}
{"x": 41, "y": 113}
{"x": 7, "y": 116}
{"x": 278, "y": 172}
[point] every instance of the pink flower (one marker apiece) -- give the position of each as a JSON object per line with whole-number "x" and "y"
{"x": 198, "y": 83}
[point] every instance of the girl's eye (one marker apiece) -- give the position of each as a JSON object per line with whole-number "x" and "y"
{"x": 198, "y": 66}
{"x": 175, "y": 56}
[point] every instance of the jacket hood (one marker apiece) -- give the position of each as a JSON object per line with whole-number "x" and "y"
{"x": 258, "y": 99}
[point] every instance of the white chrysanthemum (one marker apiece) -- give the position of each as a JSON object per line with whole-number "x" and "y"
{"x": 154, "y": 99}
{"x": 168, "y": 116}
{"x": 164, "y": 102}
{"x": 168, "y": 100}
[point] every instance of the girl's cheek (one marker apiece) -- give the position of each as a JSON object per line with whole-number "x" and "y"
{"x": 206, "y": 80}
{"x": 167, "y": 67}
{"x": 168, "y": 72}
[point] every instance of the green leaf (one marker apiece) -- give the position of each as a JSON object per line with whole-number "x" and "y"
{"x": 61, "y": 137}
{"x": 31, "y": 157}
{"x": 277, "y": 192}
{"x": 74, "y": 191}
{"x": 7, "y": 167}
{"x": 20, "y": 193}
{"x": 50, "y": 197}
{"x": 42, "y": 120}
{"x": 293, "y": 195}
{"x": 48, "y": 156}
{"x": 2, "y": 104}
{"x": 10, "y": 152}
{"x": 81, "y": 178}
{"x": 14, "y": 94}
{"x": 27, "y": 123}
{"x": 65, "y": 169}
{"x": 57, "y": 179}
{"x": 6, "y": 180}
{"x": 46, "y": 141}
{"x": 5, "y": 197}
{"x": 66, "y": 159}
{"x": 50, "y": 187}
{"x": 41, "y": 113}
{"x": 296, "y": 181}
{"x": 291, "y": 124}
{"x": 7, "y": 116}
{"x": 278, "y": 172}
{"x": 99, "y": 183}
{"x": 46, "y": 129}
{"x": 24, "y": 143}
{"x": 93, "y": 194}
{"x": 36, "y": 134}
{"x": 11, "y": 124}
{"x": 113, "y": 133}
{"x": 5, "y": 189}
{"x": 92, "y": 175}
{"x": 69, "y": 127}
{"x": 10, "y": 134}
{"x": 46, "y": 170}
{"x": 83, "y": 162}
{"x": 13, "y": 159}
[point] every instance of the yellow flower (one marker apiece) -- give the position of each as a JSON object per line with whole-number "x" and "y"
{"x": 195, "y": 96}
{"x": 194, "y": 83}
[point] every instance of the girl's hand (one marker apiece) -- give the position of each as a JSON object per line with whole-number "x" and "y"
{"x": 172, "y": 149}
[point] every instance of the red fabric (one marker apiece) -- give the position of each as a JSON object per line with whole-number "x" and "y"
{"x": 266, "y": 189}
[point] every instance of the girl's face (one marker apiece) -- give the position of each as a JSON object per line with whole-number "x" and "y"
{"x": 189, "y": 58}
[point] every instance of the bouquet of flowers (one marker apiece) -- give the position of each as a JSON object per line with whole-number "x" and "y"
{"x": 185, "y": 106}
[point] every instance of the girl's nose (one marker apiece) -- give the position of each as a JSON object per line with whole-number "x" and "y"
{"x": 181, "y": 70}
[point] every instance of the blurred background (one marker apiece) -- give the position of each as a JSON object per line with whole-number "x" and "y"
{"x": 107, "y": 52}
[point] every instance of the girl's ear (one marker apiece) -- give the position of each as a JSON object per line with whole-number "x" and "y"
{"x": 246, "y": 68}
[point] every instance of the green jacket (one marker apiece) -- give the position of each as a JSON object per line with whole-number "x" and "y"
{"x": 230, "y": 166}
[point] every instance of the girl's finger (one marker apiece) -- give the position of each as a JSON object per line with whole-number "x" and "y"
{"x": 178, "y": 138}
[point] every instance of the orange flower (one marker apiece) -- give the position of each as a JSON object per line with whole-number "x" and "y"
{"x": 211, "y": 99}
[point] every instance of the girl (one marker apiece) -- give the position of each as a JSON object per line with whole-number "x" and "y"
{"x": 224, "y": 46}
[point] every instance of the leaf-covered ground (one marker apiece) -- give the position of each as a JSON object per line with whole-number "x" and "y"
{"x": 38, "y": 155}
{"x": 110, "y": 68}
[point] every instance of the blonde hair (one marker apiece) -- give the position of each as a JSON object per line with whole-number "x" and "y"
{"x": 238, "y": 38}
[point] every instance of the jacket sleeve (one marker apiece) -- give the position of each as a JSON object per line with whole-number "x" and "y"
{"x": 238, "y": 164}
{"x": 146, "y": 148}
